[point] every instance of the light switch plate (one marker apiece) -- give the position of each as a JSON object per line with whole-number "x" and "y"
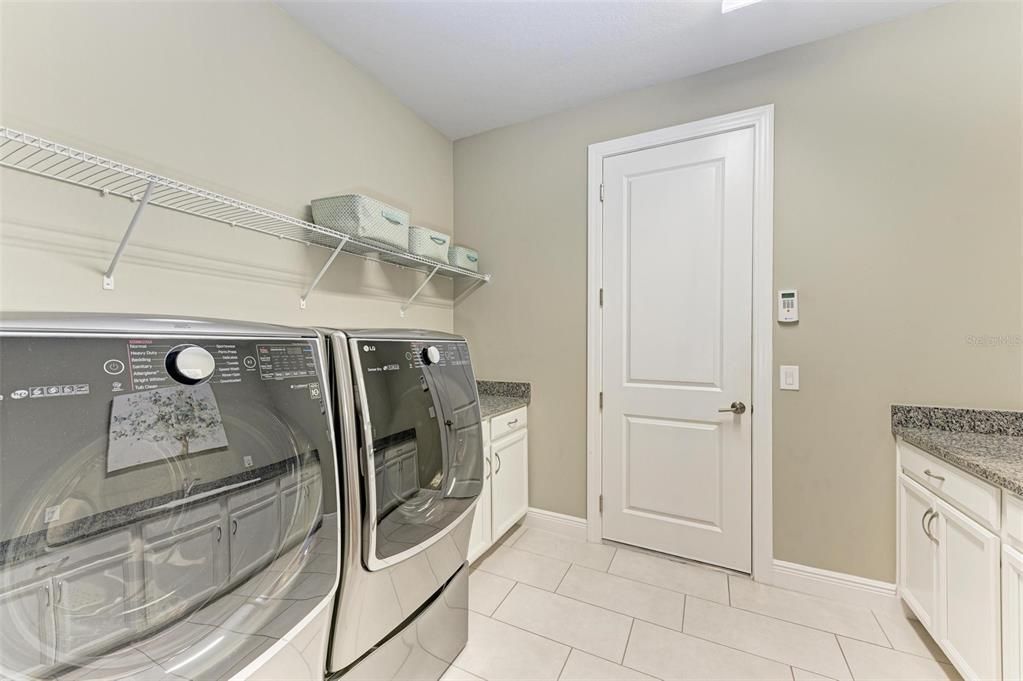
{"x": 789, "y": 377}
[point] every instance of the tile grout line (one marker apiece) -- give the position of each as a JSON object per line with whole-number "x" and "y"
{"x": 685, "y": 601}
{"x": 503, "y": 599}
{"x": 883, "y": 632}
{"x": 565, "y": 663}
{"x": 844, "y": 658}
{"x": 792, "y": 672}
{"x": 628, "y": 639}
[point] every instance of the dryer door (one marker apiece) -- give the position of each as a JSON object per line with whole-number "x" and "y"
{"x": 422, "y": 443}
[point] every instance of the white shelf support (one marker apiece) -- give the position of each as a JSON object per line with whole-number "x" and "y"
{"x": 408, "y": 303}
{"x": 108, "y": 276}
{"x": 323, "y": 270}
{"x": 476, "y": 283}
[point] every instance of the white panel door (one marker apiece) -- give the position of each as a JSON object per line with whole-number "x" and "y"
{"x": 970, "y": 577}
{"x": 677, "y": 329}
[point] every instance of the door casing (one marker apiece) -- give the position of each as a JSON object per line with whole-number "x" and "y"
{"x": 761, "y": 121}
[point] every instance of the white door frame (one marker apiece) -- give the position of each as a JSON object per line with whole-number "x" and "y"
{"x": 761, "y": 120}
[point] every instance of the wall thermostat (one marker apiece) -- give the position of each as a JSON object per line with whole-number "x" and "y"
{"x": 788, "y": 305}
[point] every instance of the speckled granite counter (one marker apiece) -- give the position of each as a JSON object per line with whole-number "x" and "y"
{"x": 988, "y": 444}
{"x": 499, "y": 397}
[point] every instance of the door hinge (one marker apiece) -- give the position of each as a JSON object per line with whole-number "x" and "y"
{"x": 602, "y": 297}
{"x": 602, "y": 193}
{"x": 600, "y": 503}
{"x": 600, "y": 399}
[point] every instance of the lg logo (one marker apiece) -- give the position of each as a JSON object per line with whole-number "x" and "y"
{"x": 369, "y": 348}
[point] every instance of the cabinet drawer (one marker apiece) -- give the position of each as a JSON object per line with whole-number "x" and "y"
{"x": 970, "y": 494}
{"x": 253, "y": 495}
{"x": 174, "y": 523}
{"x": 1013, "y": 521}
{"x": 506, "y": 423}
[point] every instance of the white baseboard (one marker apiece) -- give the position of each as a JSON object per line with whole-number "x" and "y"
{"x": 559, "y": 523}
{"x": 837, "y": 586}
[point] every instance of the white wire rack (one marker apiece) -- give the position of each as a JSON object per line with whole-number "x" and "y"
{"x": 37, "y": 156}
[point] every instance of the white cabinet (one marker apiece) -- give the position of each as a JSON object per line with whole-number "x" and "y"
{"x": 482, "y": 537}
{"x": 970, "y": 586}
{"x": 505, "y": 495}
{"x": 918, "y": 552}
{"x": 254, "y": 522}
{"x": 184, "y": 559}
{"x": 1012, "y": 613}
{"x": 953, "y": 570}
{"x": 94, "y": 605}
{"x": 300, "y": 507}
{"x": 26, "y": 628}
{"x": 510, "y": 491}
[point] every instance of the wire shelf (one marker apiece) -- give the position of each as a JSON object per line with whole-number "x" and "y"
{"x": 37, "y": 156}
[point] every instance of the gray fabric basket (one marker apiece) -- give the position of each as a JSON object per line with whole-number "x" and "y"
{"x": 464, "y": 257}
{"x": 363, "y": 217}
{"x": 429, "y": 243}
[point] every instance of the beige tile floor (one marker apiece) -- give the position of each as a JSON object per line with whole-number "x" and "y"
{"x": 544, "y": 606}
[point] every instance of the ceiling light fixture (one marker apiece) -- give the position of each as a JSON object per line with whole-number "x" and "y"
{"x": 732, "y": 5}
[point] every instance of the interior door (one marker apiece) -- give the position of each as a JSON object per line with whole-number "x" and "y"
{"x": 677, "y": 343}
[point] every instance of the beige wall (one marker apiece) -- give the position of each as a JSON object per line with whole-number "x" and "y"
{"x": 897, "y": 216}
{"x": 234, "y": 97}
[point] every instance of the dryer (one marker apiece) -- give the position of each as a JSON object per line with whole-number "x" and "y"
{"x": 408, "y": 420}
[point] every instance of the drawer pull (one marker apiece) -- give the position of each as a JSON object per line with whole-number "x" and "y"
{"x": 220, "y": 533}
{"x": 498, "y": 463}
{"x": 923, "y": 522}
{"x": 927, "y": 472}
{"x": 934, "y": 515}
{"x": 46, "y": 589}
{"x": 487, "y": 463}
{"x": 60, "y": 591}
{"x": 512, "y": 422}
{"x": 234, "y": 527}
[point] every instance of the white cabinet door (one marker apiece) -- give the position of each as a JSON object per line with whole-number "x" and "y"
{"x": 26, "y": 629}
{"x": 183, "y": 570}
{"x": 969, "y": 569}
{"x": 509, "y": 482}
{"x": 1012, "y": 613}
{"x": 918, "y": 552}
{"x": 253, "y": 536}
{"x": 93, "y": 606}
{"x": 481, "y": 537}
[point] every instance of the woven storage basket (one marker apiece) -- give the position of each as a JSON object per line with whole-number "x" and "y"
{"x": 363, "y": 217}
{"x": 428, "y": 243}
{"x": 464, "y": 257}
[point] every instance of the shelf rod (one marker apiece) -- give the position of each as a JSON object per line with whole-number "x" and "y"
{"x": 476, "y": 283}
{"x": 426, "y": 281}
{"x": 323, "y": 270}
{"x": 108, "y": 276}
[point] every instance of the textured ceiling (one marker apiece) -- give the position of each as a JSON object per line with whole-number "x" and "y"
{"x": 467, "y": 67}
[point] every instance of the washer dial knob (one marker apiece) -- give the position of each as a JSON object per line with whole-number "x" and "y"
{"x": 431, "y": 355}
{"x": 190, "y": 364}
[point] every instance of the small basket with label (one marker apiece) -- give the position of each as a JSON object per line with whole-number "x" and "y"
{"x": 428, "y": 243}
{"x": 364, "y": 218}
{"x": 464, "y": 257}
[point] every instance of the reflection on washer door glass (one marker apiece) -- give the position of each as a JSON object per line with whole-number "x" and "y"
{"x": 160, "y": 531}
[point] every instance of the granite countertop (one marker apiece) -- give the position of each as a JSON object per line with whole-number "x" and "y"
{"x": 499, "y": 397}
{"x": 988, "y": 444}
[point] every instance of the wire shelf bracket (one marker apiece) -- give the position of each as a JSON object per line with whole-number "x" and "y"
{"x": 408, "y": 303}
{"x": 108, "y": 276}
{"x": 323, "y": 270}
{"x": 43, "y": 158}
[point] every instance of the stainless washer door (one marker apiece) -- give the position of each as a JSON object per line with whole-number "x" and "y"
{"x": 422, "y": 445}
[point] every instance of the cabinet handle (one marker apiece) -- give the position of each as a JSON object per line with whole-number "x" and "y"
{"x": 60, "y": 591}
{"x": 934, "y": 517}
{"x": 46, "y": 589}
{"x": 234, "y": 526}
{"x": 486, "y": 462}
{"x": 220, "y": 533}
{"x": 57, "y": 564}
{"x": 927, "y": 472}
{"x": 498, "y": 455}
{"x": 512, "y": 422}
{"x": 923, "y": 522}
